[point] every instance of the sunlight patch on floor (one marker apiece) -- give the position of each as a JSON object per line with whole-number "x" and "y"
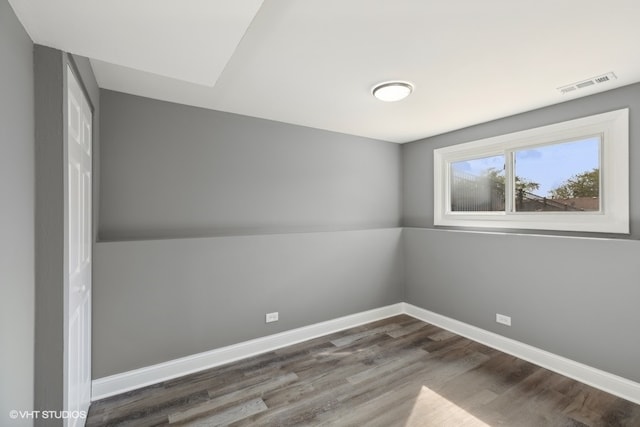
{"x": 431, "y": 409}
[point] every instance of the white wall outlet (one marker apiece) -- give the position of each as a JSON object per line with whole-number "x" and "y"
{"x": 505, "y": 320}
{"x": 271, "y": 317}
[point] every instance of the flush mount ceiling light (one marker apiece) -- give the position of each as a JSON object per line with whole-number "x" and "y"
{"x": 392, "y": 91}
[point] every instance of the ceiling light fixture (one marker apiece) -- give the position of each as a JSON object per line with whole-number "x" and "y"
{"x": 392, "y": 91}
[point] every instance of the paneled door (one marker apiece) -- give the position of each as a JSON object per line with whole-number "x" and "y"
{"x": 78, "y": 294}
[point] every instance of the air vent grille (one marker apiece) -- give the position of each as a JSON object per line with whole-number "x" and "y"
{"x": 586, "y": 83}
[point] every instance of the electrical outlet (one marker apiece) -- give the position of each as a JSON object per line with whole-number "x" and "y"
{"x": 505, "y": 320}
{"x": 271, "y": 317}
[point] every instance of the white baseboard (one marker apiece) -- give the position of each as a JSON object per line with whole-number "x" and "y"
{"x": 131, "y": 380}
{"x": 597, "y": 378}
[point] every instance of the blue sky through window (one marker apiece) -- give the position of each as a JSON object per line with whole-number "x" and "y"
{"x": 549, "y": 165}
{"x": 480, "y": 166}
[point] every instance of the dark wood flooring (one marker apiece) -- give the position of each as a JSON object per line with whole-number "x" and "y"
{"x": 393, "y": 372}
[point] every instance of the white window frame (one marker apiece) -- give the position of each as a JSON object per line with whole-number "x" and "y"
{"x": 613, "y": 216}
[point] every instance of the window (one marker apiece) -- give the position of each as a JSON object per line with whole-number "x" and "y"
{"x": 570, "y": 176}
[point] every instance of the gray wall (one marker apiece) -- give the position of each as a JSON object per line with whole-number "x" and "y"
{"x": 576, "y": 297}
{"x": 171, "y": 171}
{"x": 16, "y": 217}
{"x": 51, "y": 275}
{"x": 572, "y": 296}
{"x": 50, "y": 230}
{"x": 288, "y": 219}
{"x": 159, "y": 300}
{"x": 417, "y": 157}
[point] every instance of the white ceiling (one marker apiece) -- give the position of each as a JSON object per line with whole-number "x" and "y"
{"x": 313, "y": 62}
{"x": 187, "y": 40}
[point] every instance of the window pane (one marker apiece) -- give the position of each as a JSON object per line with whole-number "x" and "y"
{"x": 561, "y": 177}
{"x": 478, "y": 185}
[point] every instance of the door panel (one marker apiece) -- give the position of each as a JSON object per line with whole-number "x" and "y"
{"x": 78, "y": 295}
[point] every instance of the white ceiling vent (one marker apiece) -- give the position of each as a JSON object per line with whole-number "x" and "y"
{"x": 586, "y": 83}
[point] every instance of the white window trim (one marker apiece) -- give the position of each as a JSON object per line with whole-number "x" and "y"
{"x": 613, "y": 216}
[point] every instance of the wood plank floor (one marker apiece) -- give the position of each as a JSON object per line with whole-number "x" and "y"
{"x": 394, "y": 372}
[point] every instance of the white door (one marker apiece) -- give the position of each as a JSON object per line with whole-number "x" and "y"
{"x": 78, "y": 295}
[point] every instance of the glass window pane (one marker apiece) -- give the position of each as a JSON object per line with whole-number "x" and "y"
{"x": 478, "y": 185}
{"x": 561, "y": 177}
